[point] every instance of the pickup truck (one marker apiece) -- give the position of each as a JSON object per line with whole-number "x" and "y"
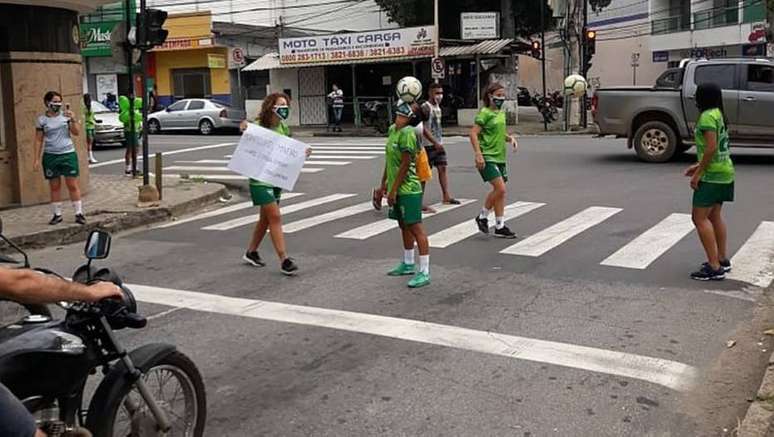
{"x": 658, "y": 121}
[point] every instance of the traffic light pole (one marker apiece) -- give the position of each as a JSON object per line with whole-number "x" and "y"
{"x": 543, "y": 54}
{"x": 584, "y": 62}
{"x": 144, "y": 75}
{"x": 132, "y": 140}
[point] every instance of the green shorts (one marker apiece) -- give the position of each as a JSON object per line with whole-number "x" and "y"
{"x": 709, "y": 194}
{"x": 264, "y": 195}
{"x": 407, "y": 209}
{"x": 90, "y": 134}
{"x": 492, "y": 171}
{"x": 65, "y": 165}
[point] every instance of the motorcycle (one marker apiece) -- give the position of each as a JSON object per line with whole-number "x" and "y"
{"x": 545, "y": 107}
{"x": 154, "y": 390}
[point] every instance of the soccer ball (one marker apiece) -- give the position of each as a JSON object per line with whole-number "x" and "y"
{"x": 575, "y": 85}
{"x": 409, "y": 89}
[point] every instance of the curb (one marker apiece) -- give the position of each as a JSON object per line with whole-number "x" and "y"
{"x": 759, "y": 420}
{"x": 115, "y": 222}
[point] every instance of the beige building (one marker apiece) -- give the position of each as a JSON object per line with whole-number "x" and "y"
{"x": 48, "y": 59}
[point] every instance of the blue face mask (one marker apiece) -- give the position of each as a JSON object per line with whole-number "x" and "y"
{"x": 404, "y": 109}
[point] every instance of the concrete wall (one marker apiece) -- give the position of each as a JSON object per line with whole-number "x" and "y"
{"x": 166, "y": 61}
{"x": 287, "y": 79}
{"x": 26, "y": 77}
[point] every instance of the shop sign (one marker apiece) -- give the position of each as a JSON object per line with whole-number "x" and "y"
{"x": 705, "y": 52}
{"x": 411, "y": 42}
{"x": 95, "y": 38}
{"x": 661, "y": 56}
{"x": 215, "y": 60}
{"x": 184, "y": 43}
{"x": 480, "y": 25}
{"x": 758, "y": 33}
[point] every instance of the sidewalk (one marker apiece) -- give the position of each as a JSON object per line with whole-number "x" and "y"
{"x": 110, "y": 205}
{"x": 759, "y": 420}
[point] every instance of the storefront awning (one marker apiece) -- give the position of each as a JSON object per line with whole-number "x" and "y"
{"x": 271, "y": 61}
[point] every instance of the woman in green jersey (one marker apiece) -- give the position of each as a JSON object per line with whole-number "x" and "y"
{"x": 712, "y": 180}
{"x": 488, "y": 137}
{"x": 274, "y": 111}
{"x": 89, "y": 124}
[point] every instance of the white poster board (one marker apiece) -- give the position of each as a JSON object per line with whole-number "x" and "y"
{"x": 480, "y": 25}
{"x": 106, "y": 83}
{"x": 269, "y": 157}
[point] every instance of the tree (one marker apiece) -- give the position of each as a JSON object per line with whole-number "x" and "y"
{"x": 420, "y": 12}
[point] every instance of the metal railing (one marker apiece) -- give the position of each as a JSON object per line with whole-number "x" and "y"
{"x": 716, "y": 18}
{"x": 677, "y": 23}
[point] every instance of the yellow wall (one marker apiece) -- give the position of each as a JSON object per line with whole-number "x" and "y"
{"x": 189, "y": 25}
{"x": 195, "y": 58}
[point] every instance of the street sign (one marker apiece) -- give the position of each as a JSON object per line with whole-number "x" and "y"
{"x": 237, "y": 58}
{"x": 635, "y": 59}
{"x": 438, "y": 68}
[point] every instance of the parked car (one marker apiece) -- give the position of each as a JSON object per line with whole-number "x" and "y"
{"x": 108, "y": 131}
{"x": 203, "y": 115}
{"x": 659, "y": 121}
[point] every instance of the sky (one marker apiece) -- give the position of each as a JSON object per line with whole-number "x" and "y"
{"x": 325, "y": 15}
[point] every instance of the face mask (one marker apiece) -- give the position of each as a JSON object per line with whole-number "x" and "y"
{"x": 283, "y": 112}
{"x": 498, "y": 101}
{"x": 438, "y": 99}
{"x": 404, "y": 109}
{"x": 55, "y": 107}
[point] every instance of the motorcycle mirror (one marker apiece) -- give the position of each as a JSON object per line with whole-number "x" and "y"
{"x": 97, "y": 245}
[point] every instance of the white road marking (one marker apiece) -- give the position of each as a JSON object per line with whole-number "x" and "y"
{"x": 467, "y": 229}
{"x": 355, "y": 144}
{"x": 648, "y": 246}
{"x": 381, "y": 226}
{"x": 667, "y": 373}
{"x": 754, "y": 261}
{"x": 306, "y": 223}
{"x": 346, "y": 149}
{"x": 346, "y": 152}
{"x": 310, "y": 161}
{"x": 350, "y": 157}
{"x": 226, "y": 169}
{"x": 287, "y": 209}
{"x": 171, "y": 152}
{"x": 334, "y": 163}
{"x": 553, "y": 236}
{"x": 221, "y": 211}
{"x": 228, "y": 177}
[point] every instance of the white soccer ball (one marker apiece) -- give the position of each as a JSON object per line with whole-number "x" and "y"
{"x": 575, "y": 85}
{"x": 409, "y": 89}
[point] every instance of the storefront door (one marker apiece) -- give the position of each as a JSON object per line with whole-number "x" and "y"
{"x": 311, "y": 96}
{"x": 191, "y": 83}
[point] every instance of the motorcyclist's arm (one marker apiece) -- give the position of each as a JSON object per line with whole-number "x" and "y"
{"x": 28, "y": 286}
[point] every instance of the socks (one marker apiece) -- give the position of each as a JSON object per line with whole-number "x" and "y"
{"x": 424, "y": 264}
{"x": 408, "y": 257}
{"x": 78, "y": 206}
{"x": 56, "y": 208}
{"x": 499, "y": 222}
{"x": 484, "y": 213}
{"x": 129, "y": 168}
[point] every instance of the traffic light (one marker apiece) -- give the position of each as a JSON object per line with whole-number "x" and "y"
{"x": 150, "y": 31}
{"x": 535, "y": 49}
{"x": 591, "y": 41}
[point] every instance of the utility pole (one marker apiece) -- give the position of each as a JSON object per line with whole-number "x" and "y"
{"x": 144, "y": 75}
{"x": 543, "y": 57}
{"x": 584, "y": 64}
{"x": 132, "y": 140}
{"x": 508, "y": 19}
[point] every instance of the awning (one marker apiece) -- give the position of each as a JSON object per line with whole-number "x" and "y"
{"x": 271, "y": 61}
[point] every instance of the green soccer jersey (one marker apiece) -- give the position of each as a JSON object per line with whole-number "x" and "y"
{"x": 89, "y": 121}
{"x": 281, "y": 129}
{"x": 721, "y": 168}
{"x": 492, "y": 135}
{"x": 398, "y": 142}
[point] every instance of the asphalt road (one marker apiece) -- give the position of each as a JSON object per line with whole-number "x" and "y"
{"x": 588, "y": 325}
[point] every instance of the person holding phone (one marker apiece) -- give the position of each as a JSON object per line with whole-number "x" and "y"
{"x": 55, "y": 151}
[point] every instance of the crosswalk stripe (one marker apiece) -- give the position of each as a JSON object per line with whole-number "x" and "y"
{"x": 227, "y": 177}
{"x": 350, "y": 157}
{"x": 306, "y": 223}
{"x": 195, "y": 168}
{"x": 368, "y": 144}
{"x": 347, "y": 152}
{"x": 242, "y": 221}
{"x": 648, "y": 246}
{"x": 754, "y": 261}
{"x": 221, "y": 211}
{"x": 467, "y": 229}
{"x": 315, "y": 148}
{"x": 334, "y": 163}
{"x": 553, "y": 236}
{"x": 381, "y": 226}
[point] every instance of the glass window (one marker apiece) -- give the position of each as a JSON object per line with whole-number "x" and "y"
{"x": 196, "y": 104}
{"x": 724, "y": 75}
{"x": 179, "y": 106}
{"x": 760, "y": 78}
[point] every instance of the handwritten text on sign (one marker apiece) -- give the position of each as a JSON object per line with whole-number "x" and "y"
{"x": 269, "y": 157}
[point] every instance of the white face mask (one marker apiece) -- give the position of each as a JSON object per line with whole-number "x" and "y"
{"x": 438, "y": 99}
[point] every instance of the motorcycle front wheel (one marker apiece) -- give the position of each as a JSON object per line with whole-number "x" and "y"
{"x": 176, "y": 386}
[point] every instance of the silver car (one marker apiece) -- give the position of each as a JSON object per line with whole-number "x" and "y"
{"x": 108, "y": 131}
{"x": 201, "y": 114}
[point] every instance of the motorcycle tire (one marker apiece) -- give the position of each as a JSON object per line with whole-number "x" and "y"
{"x": 101, "y": 420}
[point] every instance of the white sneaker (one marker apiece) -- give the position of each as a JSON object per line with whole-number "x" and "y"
{"x": 92, "y": 159}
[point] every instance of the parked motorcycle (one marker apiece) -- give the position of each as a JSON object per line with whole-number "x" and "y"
{"x": 545, "y": 107}
{"x": 154, "y": 390}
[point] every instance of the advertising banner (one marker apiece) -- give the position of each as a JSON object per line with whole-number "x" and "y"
{"x": 411, "y": 42}
{"x": 480, "y": 25}
{"x": 95, "y": 38}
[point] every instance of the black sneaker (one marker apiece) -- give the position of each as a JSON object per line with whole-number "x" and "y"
{"x": 80, "y": 219}
{"x": 707, "y": 273}
{"x": 504, "y": 232}
{"x": 289, "y": 267}
{"x": 253, "y": 259}
{"x": 725, "y": 264}
{"x": 483, "y": 224}
{"x": 56, "y": 219}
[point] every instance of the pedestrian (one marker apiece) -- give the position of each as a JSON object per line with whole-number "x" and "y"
{"x": 55, "y": 151}
{"x": 712, "y": 181}
{"x": 130, "y": 111}
{"x": 433, "y": 139}
{"x": 275, "y": 110}
{"x": 404, "y": 196}
{"x": 336, "y": 98}
{"x": 488, "y": 137}
{"x": 89, "y": 124}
